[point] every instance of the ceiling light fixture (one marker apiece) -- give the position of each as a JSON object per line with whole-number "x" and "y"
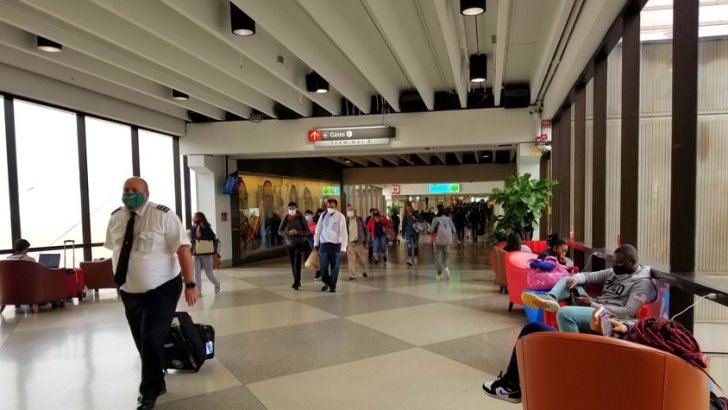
{"x": 472, "y": 7}
{"x": 316, "y": 83}
{"x": 478, "y": 62}
{"x": 48, "y": 45}
{"x": 478, "y": 68}
{"x": 240, "y": 23}
{"x": 179, "y": 95}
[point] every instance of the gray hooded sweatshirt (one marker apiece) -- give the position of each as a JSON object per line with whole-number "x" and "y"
{"x": 622, "y": 295}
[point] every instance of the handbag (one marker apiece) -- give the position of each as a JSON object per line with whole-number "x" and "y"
{"x": 543, "y": 274}
{"x": 204, "y": 247}
{"x": 389, "y": 232}
{"x": 313, "y": 263}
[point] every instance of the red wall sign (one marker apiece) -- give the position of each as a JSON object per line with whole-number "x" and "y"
{"x": 314, "y": 135}
{"x": 396, "y": 190}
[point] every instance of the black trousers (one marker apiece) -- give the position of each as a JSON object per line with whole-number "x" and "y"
{"x": 461, "y": 232}
{"x": 295, "y": 253}
{"x": 150, "y": 316}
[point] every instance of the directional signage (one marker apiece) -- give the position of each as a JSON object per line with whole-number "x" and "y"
{"x": 332, "y": 190}
{"x": 349, "y": 136}
{"x": 444, "y": 188}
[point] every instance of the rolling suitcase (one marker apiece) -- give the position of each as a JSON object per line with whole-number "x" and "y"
{"x": 75, "y": 283}
{"x": 184, "y": 348}
{"x": 207, "y": 333}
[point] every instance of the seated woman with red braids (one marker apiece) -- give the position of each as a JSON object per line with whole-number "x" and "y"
{"x": 663, "y": 334}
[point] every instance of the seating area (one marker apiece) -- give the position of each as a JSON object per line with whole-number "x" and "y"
{"x": 30, "y": 283}
{"x": 641, "y": 378}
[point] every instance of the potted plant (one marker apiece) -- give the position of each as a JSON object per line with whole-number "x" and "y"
{"x": 523, "y": 200}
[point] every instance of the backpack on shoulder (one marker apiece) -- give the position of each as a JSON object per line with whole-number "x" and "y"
{"x": 443, "y": 237}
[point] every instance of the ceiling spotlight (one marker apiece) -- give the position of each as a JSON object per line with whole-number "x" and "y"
{"x": 347, "y": 161}
{"x": 478, "y": 67}
{"x": 316, "y": 83}
{"x": 472, "y": 7}
{"x": 48, "y": 45}
{"x": 179, "y": 95}
{"x": 240, "y": 23}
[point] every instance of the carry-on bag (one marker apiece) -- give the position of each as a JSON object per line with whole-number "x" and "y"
{"x": 207, "y": 334}
{"x": 184, "y": 348}
{"x": 75, "y": 283}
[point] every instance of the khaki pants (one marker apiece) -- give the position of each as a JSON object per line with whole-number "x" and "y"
{"x": 356, "y": 256}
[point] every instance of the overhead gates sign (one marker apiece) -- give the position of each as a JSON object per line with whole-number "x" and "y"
{"x": 350, "y": 136}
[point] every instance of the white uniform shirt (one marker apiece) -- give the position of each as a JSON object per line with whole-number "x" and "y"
{"x": 331, "y": 229}
{"x": 158, "y": 234}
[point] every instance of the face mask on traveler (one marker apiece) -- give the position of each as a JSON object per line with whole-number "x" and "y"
{"x": 349, "y": 213}
{"x": 132, "y": 200}
{"x": 620, "y": 269}
{"x": 331, "y": 210}
{"x": 309, "y": 217}
{"x": 291, "y": 212}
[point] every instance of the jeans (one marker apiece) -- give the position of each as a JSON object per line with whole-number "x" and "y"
{"x": 441, "y": 257}
{"x": 295, "y": 254}
{"x": 570, "y": 318}
{"x": 413, "y": 240}
{"x": 150, "y": 315}
{"x": 461, "y": 232}
{"x": 204, "y": 261}
{"x": 380, "y": 246}
{"x": 330, "y": 255}
{"x": 511, "y": 375}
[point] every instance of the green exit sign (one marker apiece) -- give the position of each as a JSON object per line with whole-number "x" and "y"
{"x": 444, "y": 188}
{"x": 332, "y": 190}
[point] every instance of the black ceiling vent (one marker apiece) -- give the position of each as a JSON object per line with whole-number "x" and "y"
{"x": 348, "y": 107}
{"x": 503, "y": 157}
{"x": 445, "y": 100}
{"x": 481, "y": 98}
{"x": 516, "y": 96}
{"x": 319, "y": 111}
{"x": 196, "y": 117}
{"x": 410, "y": 101}
{"x": 379, "y": 105}
{"x": 233, "y": 117}
{"x": 285, "y": 113}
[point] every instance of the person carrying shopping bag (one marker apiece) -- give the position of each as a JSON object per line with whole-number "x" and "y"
{"x": 203, "y": 248}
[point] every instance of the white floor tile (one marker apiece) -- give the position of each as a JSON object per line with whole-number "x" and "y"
{"x": 256, "y": 317}
{"x": 410, "y": 379}
{"x": 432, "y": 323}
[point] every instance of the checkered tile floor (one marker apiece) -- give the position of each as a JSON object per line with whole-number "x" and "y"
{"x": 397, "y": 340}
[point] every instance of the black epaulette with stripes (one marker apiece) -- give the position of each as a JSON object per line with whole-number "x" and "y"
{"x": 117, "y": 210}
{"x": 163, "y": 208}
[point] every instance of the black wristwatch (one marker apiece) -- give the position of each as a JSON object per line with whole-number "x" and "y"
{"x": 190, "y": 285}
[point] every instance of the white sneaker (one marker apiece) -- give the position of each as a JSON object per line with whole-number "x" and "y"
{"x": 416, "y": 261}
{"x": 409, "y": 261}
{"x": 439, "y": 276}
{"x": 544, "y": 302}
{"x": 446, "y": 273}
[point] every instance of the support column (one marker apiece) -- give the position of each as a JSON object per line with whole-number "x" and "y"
{"x": 684, "y": 150}
{"x": 599, "y": 161}
{"x": 211, "y": 176}
{"x": 628, "y": 223}
{"x": 564, "y": 175}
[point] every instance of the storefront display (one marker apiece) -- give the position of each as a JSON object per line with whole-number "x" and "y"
{"x": 264, "y": 201}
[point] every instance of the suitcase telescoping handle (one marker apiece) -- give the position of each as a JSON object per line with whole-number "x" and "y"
{"x": 69, "y": 244}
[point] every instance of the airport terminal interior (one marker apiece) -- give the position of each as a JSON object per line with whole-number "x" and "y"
{"x": 549, "y": 135}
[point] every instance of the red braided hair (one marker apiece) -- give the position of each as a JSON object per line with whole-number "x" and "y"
{"x": 670, "y": 336}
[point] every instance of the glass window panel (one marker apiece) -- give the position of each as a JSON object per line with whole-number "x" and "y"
{"x": 48, "y": 179}
{"x": 5, "y": 234}
{"x": 108, "y": 147}
{"x": 655, "y": 136}
{"x": 156, "y": 163}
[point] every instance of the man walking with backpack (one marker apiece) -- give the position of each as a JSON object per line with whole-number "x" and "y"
{"x": 444, "y": 230}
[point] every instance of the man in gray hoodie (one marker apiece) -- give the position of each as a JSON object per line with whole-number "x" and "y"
{"x": 626, "y": 287}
